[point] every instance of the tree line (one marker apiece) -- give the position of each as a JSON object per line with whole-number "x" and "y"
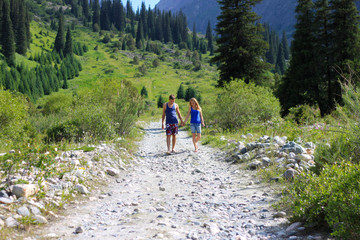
{"x": 15, "y": 33}
{"x": 325, "y": 46}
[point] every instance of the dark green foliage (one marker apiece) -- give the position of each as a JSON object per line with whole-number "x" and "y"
{"x": 300, "y": 75}
{"x": 68, "y": 50}
{"x": 160, "y": 102}
{"x": 180, "y": 92}
{"x": 209, "y": 37}
{"x": 7, "y": 35}
{"x": 190, "y": 93}
{"x": 280, "y": 65}
{"x": 239, "y": 59}
{"x": 59, "y": 44}
{"x": 21, "y": 34}
{"x": 144, "y": 92}
{"x": 96, "y": 16}
{"x": 326, "y": 43}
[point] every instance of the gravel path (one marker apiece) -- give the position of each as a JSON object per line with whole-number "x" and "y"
{"x": 185, "y": 195}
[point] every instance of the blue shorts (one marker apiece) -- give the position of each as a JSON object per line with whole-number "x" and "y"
{"x": 195, "y": 127}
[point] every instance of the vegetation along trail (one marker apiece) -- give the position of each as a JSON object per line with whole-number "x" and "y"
{"x": 185, "y": 195}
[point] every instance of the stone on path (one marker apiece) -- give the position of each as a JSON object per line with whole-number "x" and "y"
{"x": 24, "y": 190}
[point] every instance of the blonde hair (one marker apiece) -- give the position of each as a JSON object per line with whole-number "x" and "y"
{"x": 197, "y": 106}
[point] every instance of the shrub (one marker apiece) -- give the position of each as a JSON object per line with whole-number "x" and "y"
{"x": 331, "y": 199}
{"x": 240, "y": 104}
{"x": 85, "y": 123}
{"x": 160, "y": 102}
{"x": 13, "y": 116}
{"x": 304, "y": 114}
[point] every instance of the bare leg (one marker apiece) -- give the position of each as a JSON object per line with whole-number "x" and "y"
{"x": 197, "y": 138}
{"x": 168, "y": 142}
{"x": 194, "y": 141}
{"x": 173, "y": 142}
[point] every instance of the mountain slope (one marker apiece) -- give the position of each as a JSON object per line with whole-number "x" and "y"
{"x": 278, "y": 13}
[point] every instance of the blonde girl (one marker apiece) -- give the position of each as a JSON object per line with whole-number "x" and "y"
{"x": 196, "y": 121}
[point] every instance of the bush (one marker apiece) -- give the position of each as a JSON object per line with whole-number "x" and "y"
{"x": 240, "y": 104}
{"x": 304, "y": 114}
{"x": 13, "y": 117}
{"x": 86, "y": 123}
{"x": 331, "y": 199}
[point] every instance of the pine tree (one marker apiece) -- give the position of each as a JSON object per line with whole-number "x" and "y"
{"x": 160, "y": 102}
{"x": 345, "y": 36}
{"x": 96, "y": 16}
{"x": 180, "y": 92}
{"x": 7, "y": 35}
{"x": 280, "y": 60}
{"x": 194, "y": 38}
{"x": 144, "y": 92}
{"x": 285, "y": 45}
{"x": 68, "y": 50}
{"x": 301, "y": 74}
{"x": 209, "y": 37}
{"x": 140, "y": 35}
{"x": 240, "y": 45}
{"x": 21, "y": 41}
{"x": 59, "y": 44}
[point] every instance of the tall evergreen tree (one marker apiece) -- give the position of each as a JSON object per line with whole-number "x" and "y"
{"x": 96, "y": 16}
{"x": 21, "y": 36}
{"x": 301, "y": 74}
{"x": 209, "y": 37}
{"x": 285, "y": 45}
{"x": 7, "y": 35}
{"x": 59, "y": 44}
{"x": 346, "y": 33}
{"x": 280, "y": 60}
{"x": 241, "y": 48}
{"x": 68, "y": 50}
{"x": 180, "y": 92}
{"x": 194, "y": 38}
{"x": 140, "y": 35}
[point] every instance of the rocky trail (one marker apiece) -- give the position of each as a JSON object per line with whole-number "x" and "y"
{"x": 185, "y": 195}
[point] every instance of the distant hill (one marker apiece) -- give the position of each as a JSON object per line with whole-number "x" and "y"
{"x": 280, "y": 14}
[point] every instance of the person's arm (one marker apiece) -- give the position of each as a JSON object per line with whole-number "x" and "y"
{"x": 163, "y": 116}
{"x": 178, "y": 112}
{"x": 187, "y": 116}
{"x": 202, "y": 119}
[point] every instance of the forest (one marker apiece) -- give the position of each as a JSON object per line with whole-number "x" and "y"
{"x": 77, "y": 72}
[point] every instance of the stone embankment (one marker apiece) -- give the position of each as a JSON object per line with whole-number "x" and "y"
{"x": 185, "y": 195}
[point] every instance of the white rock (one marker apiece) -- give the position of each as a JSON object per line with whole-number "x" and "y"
{"x": 11, "y": 222}
{"x": 40, "y": 219}
{"x": 112, "y": 172}
{"x": 23, "y": 211}
{"x": 81, "y": 189}
{"x": 24, "y": 190}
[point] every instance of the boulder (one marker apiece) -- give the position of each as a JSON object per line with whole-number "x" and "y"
{"x": 24, "y": 190}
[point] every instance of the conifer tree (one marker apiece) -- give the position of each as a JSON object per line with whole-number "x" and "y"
{"x": 59, "y": 44}
{"x": 209, "y": 37}
{"x": 301, "y": 73}
{"x": 194, "y": 38}
{"x": 280, "y": 60}
{"x": 285, "y": 45}
{"x": 139, "y": 35}
{"x": 7, "y": 35}
{"x": 160, "y": 102}
{"x": 180, "y": 92}
{"x": 21, "y": 36}
{"x": 96, "y": 16}
{"x": 68, "y": 50}
{"x": 144, "y": 92}
{"x": 240, "y": 45}
{"x": 346, "y": 48}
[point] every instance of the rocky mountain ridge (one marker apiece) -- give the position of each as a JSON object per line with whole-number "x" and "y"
{"x": 280, "y": 14}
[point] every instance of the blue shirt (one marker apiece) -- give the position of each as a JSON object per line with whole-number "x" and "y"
{"x": 195, "y": 116}
{"x": 171, "y": 114}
